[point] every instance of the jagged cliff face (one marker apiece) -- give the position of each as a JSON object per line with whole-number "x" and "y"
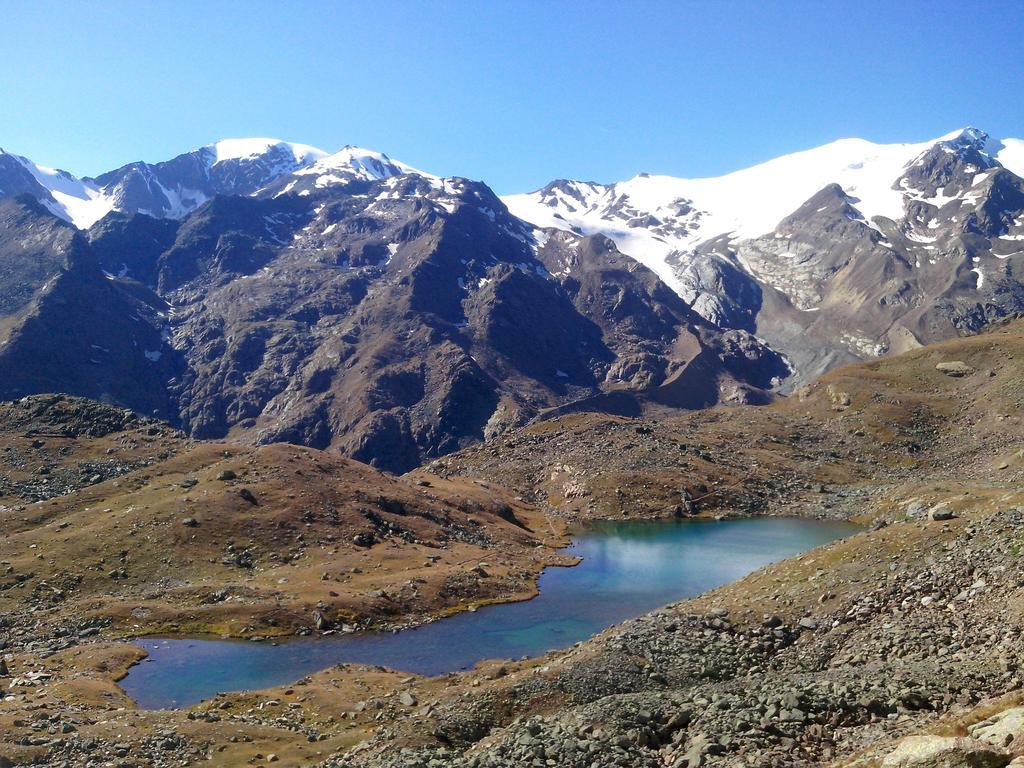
{"x": 891, "y": 246}
{"x": 382, "y": 312}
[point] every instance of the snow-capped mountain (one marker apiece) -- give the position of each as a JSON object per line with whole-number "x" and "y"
{"x": 176, "y": 187}
{"x": 649, "y": 217}
{"x": 835, "y": 254}
{"x": 294, "y": 273}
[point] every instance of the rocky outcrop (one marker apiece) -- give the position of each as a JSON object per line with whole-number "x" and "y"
{"x": 944, "y": 752}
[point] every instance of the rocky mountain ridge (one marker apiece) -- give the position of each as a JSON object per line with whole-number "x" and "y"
{"x": 390, "y": 314}
{"x": 174, "y": 188}
{"x": 66, "y": 327}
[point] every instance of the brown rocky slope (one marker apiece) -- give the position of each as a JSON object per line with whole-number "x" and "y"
{"x": 111, "y": 520}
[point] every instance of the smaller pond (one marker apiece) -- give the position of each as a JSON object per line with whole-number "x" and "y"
{"x": 628, "y": 569}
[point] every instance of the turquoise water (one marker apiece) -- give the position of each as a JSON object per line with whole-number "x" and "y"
{"x": 627, "y": 569}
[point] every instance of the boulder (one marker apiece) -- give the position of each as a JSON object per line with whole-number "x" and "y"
{"x": 944, "y": 752}
{"x": 916, "y": 508}
{"x": 363, "y": 540}
{"x": 248, "y": 495}
{"x": 955, "y": 368}
{"x": 840, "y": 400}
{"x": 1001, "y": 729}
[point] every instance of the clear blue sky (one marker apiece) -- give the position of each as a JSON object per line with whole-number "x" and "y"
{"x": 515, "y": 92}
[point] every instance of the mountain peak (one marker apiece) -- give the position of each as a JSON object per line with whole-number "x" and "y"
{"x": 348, "y": 164}
{"x": 174, "y": 187}
{"x": 367, "y": 161}
{"x": 967, "y": 138}
{"x": 251, "y": 148}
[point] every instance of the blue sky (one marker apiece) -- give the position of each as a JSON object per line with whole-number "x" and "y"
{"x": 515, "y": 93}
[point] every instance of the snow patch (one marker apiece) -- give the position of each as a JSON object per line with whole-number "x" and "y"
{"x": 80, "y": 202}
{"x": 1011, "y": 155}
{"x": 980, "y": 177}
